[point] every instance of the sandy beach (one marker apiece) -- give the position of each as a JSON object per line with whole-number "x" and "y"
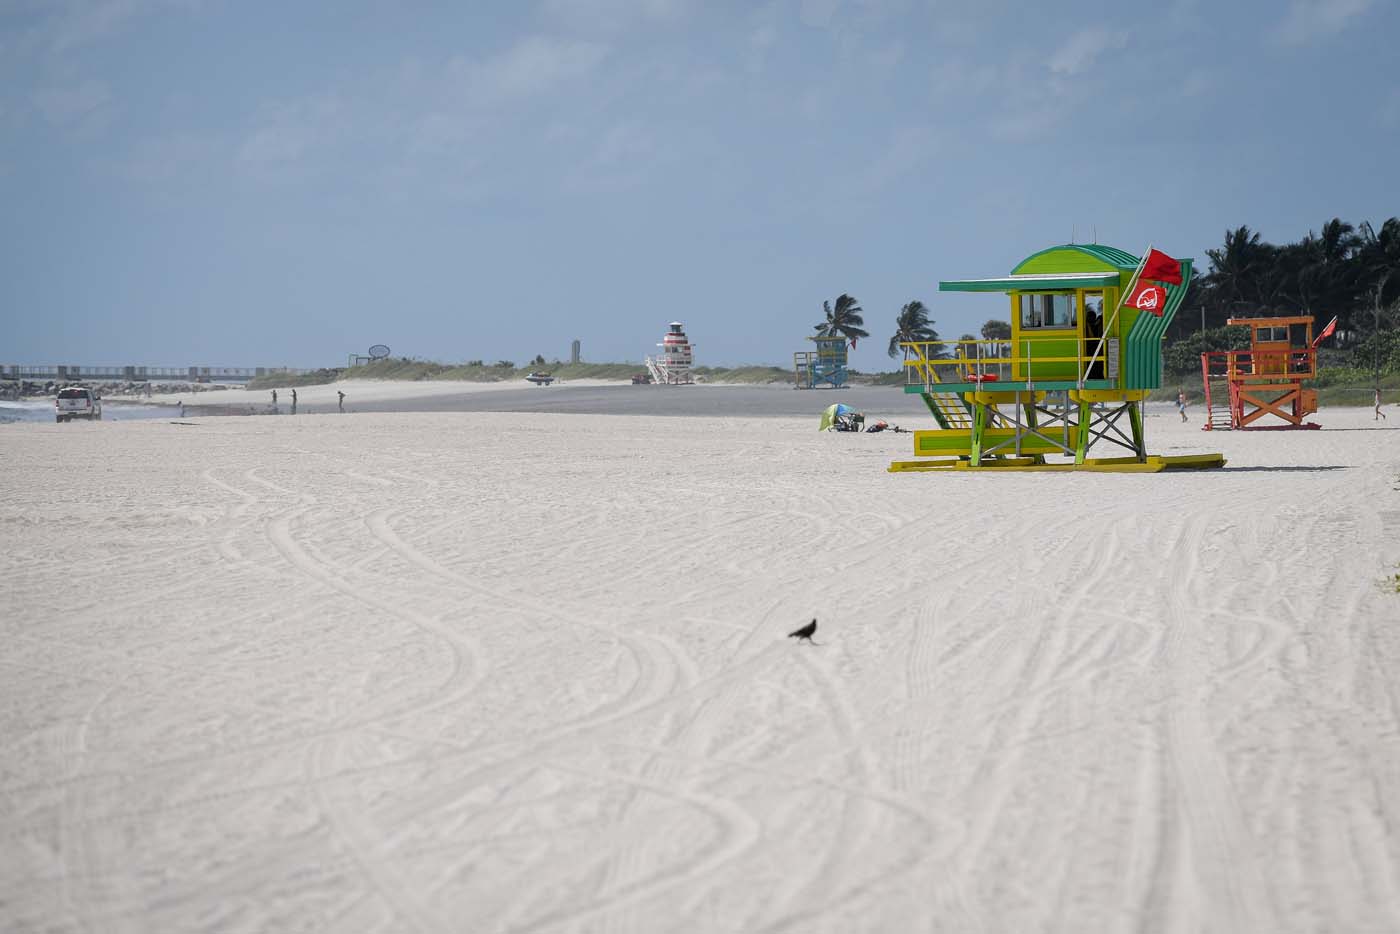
{"x": 575, "y": 397}
{"x": 524, "y": 671}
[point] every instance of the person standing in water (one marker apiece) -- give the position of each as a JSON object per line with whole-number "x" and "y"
{"x": 294, "y": 402}
{"x": 341, "y": 401}
{"x": 274, "y": 398}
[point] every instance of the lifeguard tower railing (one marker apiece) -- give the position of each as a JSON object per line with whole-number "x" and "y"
{"x": 1261, "y": 366}
{"x": 1028, "y": 364}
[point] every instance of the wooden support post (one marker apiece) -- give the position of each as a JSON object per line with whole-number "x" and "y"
{"x": 979, "y": 422}
{"x": 1264, "y": 406}
{"x": 1135, "y": 416}
{"x": 1086, "y": 414}
{"x": 1028, "y": 410}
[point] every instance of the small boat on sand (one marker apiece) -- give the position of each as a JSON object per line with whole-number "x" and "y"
{"x": 539, "y": 379}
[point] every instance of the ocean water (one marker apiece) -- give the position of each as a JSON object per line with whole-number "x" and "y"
{"x": 41, "y": 410}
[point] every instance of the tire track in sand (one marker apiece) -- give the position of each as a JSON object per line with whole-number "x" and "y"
{"x": 738, "y": 832}
{"x": 347, "y": 820}
{"x": 659, "y": 669}
{"x": 1208, "y": 842}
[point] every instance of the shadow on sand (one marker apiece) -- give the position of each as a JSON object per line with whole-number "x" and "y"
{"x": 1287, "y": 469}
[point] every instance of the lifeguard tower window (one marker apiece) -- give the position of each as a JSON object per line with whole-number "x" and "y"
{"x": 1093, "y": 311}
{"x": 1298, "y": 335}
{"x": 1048, "y": 310}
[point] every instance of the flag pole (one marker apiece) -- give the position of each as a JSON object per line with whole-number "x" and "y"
{"x": 1132, "y": 284}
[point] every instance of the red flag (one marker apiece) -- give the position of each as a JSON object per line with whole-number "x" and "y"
{"x": 853, "y": 343}
{"x": 1148, "y": 297}
{"x": 1326, "y": 332}
{"x": 1161, "y": 267}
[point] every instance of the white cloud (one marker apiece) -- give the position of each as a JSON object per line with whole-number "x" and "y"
{"x": 611, "y": 16}
{"x": 1082, "y": 49}
{"x": 625, "y": 144}
{"x": 761, "y": 41}
{"x": 287, "y": 131}
{"x": 171, "y": 157}
{"x": 436, "y": 132}
{"x": 532, "y": 65}
{"x": 1197, "y": 83}
{"x": 76, "y": 23}
{"x": 958, "y": 79}
{"x": 907, "y": 149}
{"x": 64, "y": 106}
{"x": 888, "y": 56}
{"x": 1312, "y": 19}
{"x": 272, "y": 145}
{"x": 1029, "y": 123}
{"x": 818, "y": 13}
{"x": 625, "y": 157}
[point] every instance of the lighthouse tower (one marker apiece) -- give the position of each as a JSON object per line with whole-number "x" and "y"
{"x": 672, "y": 365}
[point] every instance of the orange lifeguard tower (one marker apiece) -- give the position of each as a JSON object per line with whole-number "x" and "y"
{"x": 1243, "y": 386}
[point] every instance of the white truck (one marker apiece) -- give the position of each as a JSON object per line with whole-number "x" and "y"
{"x": 77, "y": 402}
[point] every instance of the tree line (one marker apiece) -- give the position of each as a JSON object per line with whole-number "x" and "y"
{"x": 1348, "y": 270}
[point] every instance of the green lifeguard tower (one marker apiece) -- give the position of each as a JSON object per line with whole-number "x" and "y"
{"x": 825, "y": 366}
{"x": 1078, "y": 366}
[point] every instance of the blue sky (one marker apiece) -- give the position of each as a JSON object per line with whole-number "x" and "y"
{"x": 245, "y": 184}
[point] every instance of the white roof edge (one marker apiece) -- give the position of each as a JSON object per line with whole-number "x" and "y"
{"x": 1017, "y": 277}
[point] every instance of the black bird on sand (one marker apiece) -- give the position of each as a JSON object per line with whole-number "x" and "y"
{"x": 805, "y": 633}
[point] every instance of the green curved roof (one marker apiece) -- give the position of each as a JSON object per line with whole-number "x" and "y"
{"x": 1077, "y": 257}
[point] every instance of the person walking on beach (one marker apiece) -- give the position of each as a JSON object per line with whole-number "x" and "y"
{"x": 341, "y": 401}
{"x": 181, "y": 404}
{"x": 1379, "y": 414}
{"x": 294, "y": 402}
{"x": 1181, "y": 403}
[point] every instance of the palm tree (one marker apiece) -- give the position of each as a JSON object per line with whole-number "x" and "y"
{"x": 913, "y": 327}
{"x": 996, "y": 330}
{"x": 844, "y": 320}
{"x": 1236, "y": 269}
{"x": 1338, "y": 241}
{"x": 1379, "y": 255}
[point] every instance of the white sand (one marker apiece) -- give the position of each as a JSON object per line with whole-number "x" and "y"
{"x": 478, "y": 673}
{"x": 356, "y": 391}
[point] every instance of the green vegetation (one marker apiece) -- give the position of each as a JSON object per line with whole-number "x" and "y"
{"x": 281, "y": 380}
{"x": 995, "y": 330}
{"x": 404, "y": 368}
{"x": 1350, "y": 271}
{"x": 743, "y": 374}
